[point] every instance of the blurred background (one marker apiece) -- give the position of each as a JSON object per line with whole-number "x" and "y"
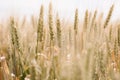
{"x": 65, "y": 8}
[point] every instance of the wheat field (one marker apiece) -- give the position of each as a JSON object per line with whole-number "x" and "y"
{"x": 50, "y": 49}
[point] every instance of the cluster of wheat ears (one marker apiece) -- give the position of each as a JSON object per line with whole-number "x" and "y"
{"x": 53, "y": 50}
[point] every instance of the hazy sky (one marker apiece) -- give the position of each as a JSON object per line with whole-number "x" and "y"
{"x": 65, "y": 8}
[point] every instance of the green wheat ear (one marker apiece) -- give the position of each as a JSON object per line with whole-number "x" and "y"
{"x": 109, "y": 16}
{"x": 40, "y": 30}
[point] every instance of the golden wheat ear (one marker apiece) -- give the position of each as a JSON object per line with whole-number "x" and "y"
{"x": 94, "y": 18}
{"x": 40, "y": 32}
{"x": 75, "y": 30}
{"x": 85, "y": 21}
{"x": 51, "y": 24}
{"x": 58, "y": 27}
{"x": 76, "y": 21}
{"x": 119, "y": 35}
{"x": 109, "y": 16}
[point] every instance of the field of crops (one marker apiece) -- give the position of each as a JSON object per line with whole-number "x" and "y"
{"x": 53, "y": 49}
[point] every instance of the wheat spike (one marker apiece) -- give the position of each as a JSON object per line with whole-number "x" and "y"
{"x": 40, "y": 30}
{"x": 109, "y": 16}
{"x": 75, "y": 30}
{"x": 119, "y": 35}
{"x": 51, "y": 23}
{"x": 58, "y": 26}
{"x": 76, "y": 21}
{"x": 110, "y": 33}
{"x": 93, "y": 19}
{"x": 85, "y": 21}
{"x": 15, "y": 49}
{"x": 52, "y": 70}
